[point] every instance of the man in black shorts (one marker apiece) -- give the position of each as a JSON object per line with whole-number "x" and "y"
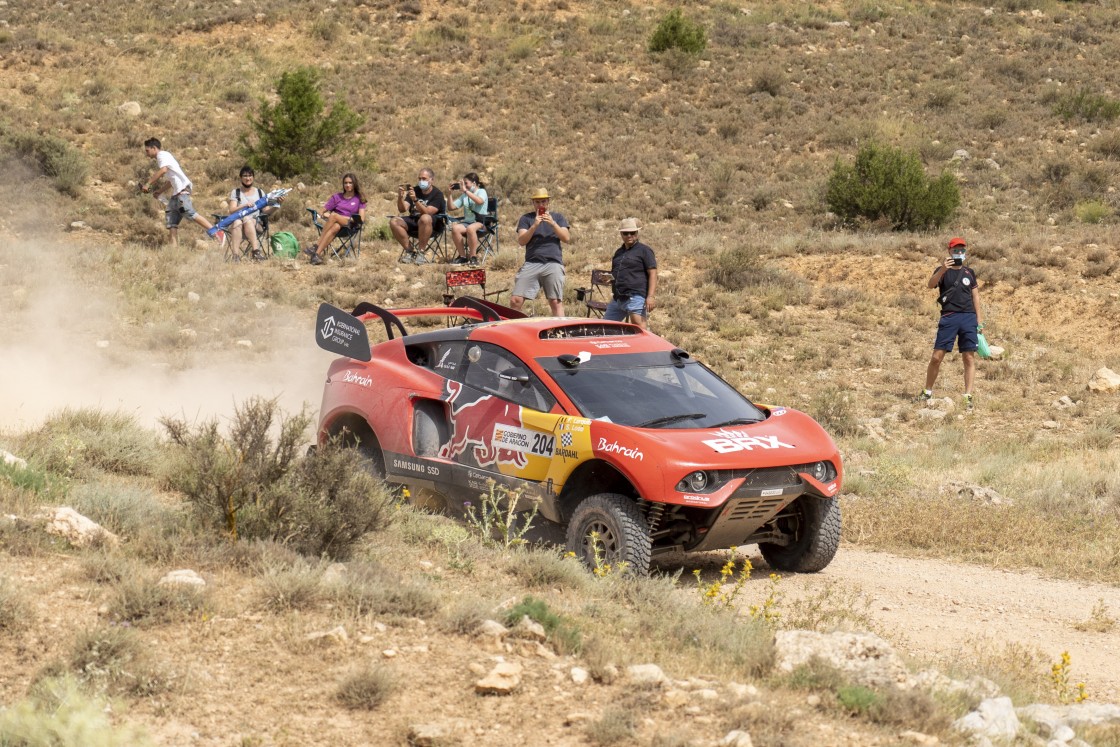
{"x": 961, "y": 318}
{"x": 423, "y": 203}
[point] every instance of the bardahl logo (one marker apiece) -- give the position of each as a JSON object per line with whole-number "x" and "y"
{"x": 614, "y": 447}
{"x": 731, "y": 441}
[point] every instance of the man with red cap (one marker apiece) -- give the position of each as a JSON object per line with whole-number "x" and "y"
{"x": 961, "y": 318}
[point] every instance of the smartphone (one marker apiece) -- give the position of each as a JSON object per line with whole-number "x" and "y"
{"x": 541, "y": 210}
{"x": 958, "y": 261}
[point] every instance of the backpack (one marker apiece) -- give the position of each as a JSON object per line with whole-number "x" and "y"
{"x": 285, "y": 245}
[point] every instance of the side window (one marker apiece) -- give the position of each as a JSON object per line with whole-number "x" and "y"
{"x": 499, "y": 372}
{"x": 444, "y": 358}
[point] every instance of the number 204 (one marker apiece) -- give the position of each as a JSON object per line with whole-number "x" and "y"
{"x": 543, "y": 444}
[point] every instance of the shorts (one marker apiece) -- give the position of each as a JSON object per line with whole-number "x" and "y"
{"x": 619, "y": 310}
{"x": 534, "y": 275}
{"x": 412, "y": 225}
{"x": 959, "y": 326}
{"x": 177, "y": 207}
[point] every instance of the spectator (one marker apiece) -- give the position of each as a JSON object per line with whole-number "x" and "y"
{"x": 179, "y": 199}
{"x": 961, "y": 318}
{"x": 473, "y": 201}
{"x": 541, "y": 233}
{"x": 345, "y": 209}
{"x": 634, "y": 273}
{"x": 426, "y": 208}
{"x": 246, "y": 228}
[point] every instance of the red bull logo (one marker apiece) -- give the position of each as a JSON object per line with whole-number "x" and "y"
{"x": 486, "y": 425}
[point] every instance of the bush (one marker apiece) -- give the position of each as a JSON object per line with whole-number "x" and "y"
{"x": 73, "y": 443}
{"x": 1086, "y": 105}
{"x": 888, "y": 185}
{"x": 252, "y": 487}
{"x": 674, "y": 31}
{"x": 366, "y": 688}
{"x": 59, "y": 714}
{"x": 292, "y": 134}
{"x": 55, "y": 158}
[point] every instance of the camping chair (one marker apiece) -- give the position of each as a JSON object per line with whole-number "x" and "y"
{"x": 346, "y": 243}
{"x": 488, "y": 236}
{"x": 245, "y": 251}
{"x": 465, "y": 278}
{"x": 598, "y": 295}
{"x": 436, "y": 249}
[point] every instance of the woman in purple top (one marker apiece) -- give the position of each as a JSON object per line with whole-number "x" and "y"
{"x": 345, "y": 209}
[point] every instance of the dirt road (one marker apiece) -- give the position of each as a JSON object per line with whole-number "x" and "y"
{"x": 942, "y": 611}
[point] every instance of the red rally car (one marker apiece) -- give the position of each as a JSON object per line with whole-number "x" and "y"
{"x": 611, "y": 429}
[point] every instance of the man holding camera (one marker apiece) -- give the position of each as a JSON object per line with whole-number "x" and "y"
{"x": 961, "y": 318}
{"x": 541, "y": 232}
{"x": 426, "y": 208}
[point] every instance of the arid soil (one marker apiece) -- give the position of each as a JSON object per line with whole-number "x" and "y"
{"x": 944, "y": 612}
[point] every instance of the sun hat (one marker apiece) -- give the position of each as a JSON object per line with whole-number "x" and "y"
{"x": 540, "y": 194}
{"x": 956, "y": 241}
{"x": 628, "y": 225}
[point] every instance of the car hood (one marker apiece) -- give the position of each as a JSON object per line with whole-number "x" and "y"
{"x": 787, "y": 437}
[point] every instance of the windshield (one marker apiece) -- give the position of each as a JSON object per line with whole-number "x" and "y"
{"x": 644, "y": 391}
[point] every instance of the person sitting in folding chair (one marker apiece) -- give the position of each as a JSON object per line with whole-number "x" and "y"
{"x": 344, "y": 209}
{"x": 473, "y": 201}
{"x": 426, "y": 206}
{"x": 248, "y": 227}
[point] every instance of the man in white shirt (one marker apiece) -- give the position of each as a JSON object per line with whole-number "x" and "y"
{"x": 179, "y": 194}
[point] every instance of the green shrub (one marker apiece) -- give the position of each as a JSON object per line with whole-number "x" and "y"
{"x": 563, "y": 634}
{"x": 54, "y": 158}
{"x": 674, "y": 31}
{"x": 888, "y": 185}
{"x": 833, "y": 409}
{"x": 293, "y": 134}
{"x": 59, "y": 714}
{"x": 1092, "y": 211}
{"x": 1086, "y": 105}
{"x": 254, "y": 487}
{"x": 73, "y": 443}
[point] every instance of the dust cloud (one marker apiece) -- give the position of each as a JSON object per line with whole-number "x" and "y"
{"x": 64, "y": 345}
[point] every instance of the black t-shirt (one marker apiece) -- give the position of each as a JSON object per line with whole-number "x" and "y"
{"x": 955, "y": 291}
{"x": 545, "y": 244}
{"x": 434, "y": 198}
{"x": 629, "y": 267}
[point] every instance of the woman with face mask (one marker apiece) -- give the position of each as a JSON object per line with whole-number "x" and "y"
{"x": 473, "y": 201}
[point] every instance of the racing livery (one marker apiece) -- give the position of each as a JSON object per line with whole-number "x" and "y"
{"x": 623, "y": 441}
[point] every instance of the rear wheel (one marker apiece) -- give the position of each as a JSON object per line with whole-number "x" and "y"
{"x": 609, "y": 528}
{"x": 814, "y": 529}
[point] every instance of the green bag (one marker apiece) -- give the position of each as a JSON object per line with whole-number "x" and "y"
{"x": 285, "y": 245}
{"x": 982, "y": 346}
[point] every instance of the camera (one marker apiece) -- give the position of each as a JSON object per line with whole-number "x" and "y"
{"x": 958, "y": 261}
{"x": 456, "y": 185}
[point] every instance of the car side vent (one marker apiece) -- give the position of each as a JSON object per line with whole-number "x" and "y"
{"x": 589, "y": 329}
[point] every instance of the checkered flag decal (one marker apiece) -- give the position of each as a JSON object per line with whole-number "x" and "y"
{"x": 566, "y": 439}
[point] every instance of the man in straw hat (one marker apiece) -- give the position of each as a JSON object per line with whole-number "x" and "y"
{"x": 634, "y": 270}
{"x": 541, "y": 232}
{"x": 961, "y": 318}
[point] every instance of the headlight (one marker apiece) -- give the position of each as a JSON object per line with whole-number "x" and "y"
{"x": 822, "y": 471}
{"x": 695, "y": 482}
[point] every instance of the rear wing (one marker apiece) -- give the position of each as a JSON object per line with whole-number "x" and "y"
{"x": 345, "y": 334}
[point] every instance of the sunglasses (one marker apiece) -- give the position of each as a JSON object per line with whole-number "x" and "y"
{"x": 629, "y": 233}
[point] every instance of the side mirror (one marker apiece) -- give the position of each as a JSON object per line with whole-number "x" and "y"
{"x": 515, "y": 374}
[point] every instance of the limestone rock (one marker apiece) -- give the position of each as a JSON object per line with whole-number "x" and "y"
{"x": 184, "y": 577}
{"x": 79, "y": 531}
{"x": 866, "y": 658}
{"x": 1104, "y": 380}
{"x": 334, "y": 636}
{"x": 129, "y": 109}
{"x": 12, "y": 460}
{"x": 503, "y": 679}
{"x": 994, "y": 718}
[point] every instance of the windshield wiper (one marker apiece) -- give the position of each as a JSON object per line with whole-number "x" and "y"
{"x": 671, "y": 419}
{"x": 737, "y": 421}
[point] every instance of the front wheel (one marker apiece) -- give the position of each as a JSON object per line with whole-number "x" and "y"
{"x": 609, "y": 528}
{"x": 814, "y": 529}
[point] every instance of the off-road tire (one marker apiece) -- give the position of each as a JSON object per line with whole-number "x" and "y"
{"x": 622, "y": 533}
{"x": 375, "y": 458}
{"x": 815, "y": 540}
